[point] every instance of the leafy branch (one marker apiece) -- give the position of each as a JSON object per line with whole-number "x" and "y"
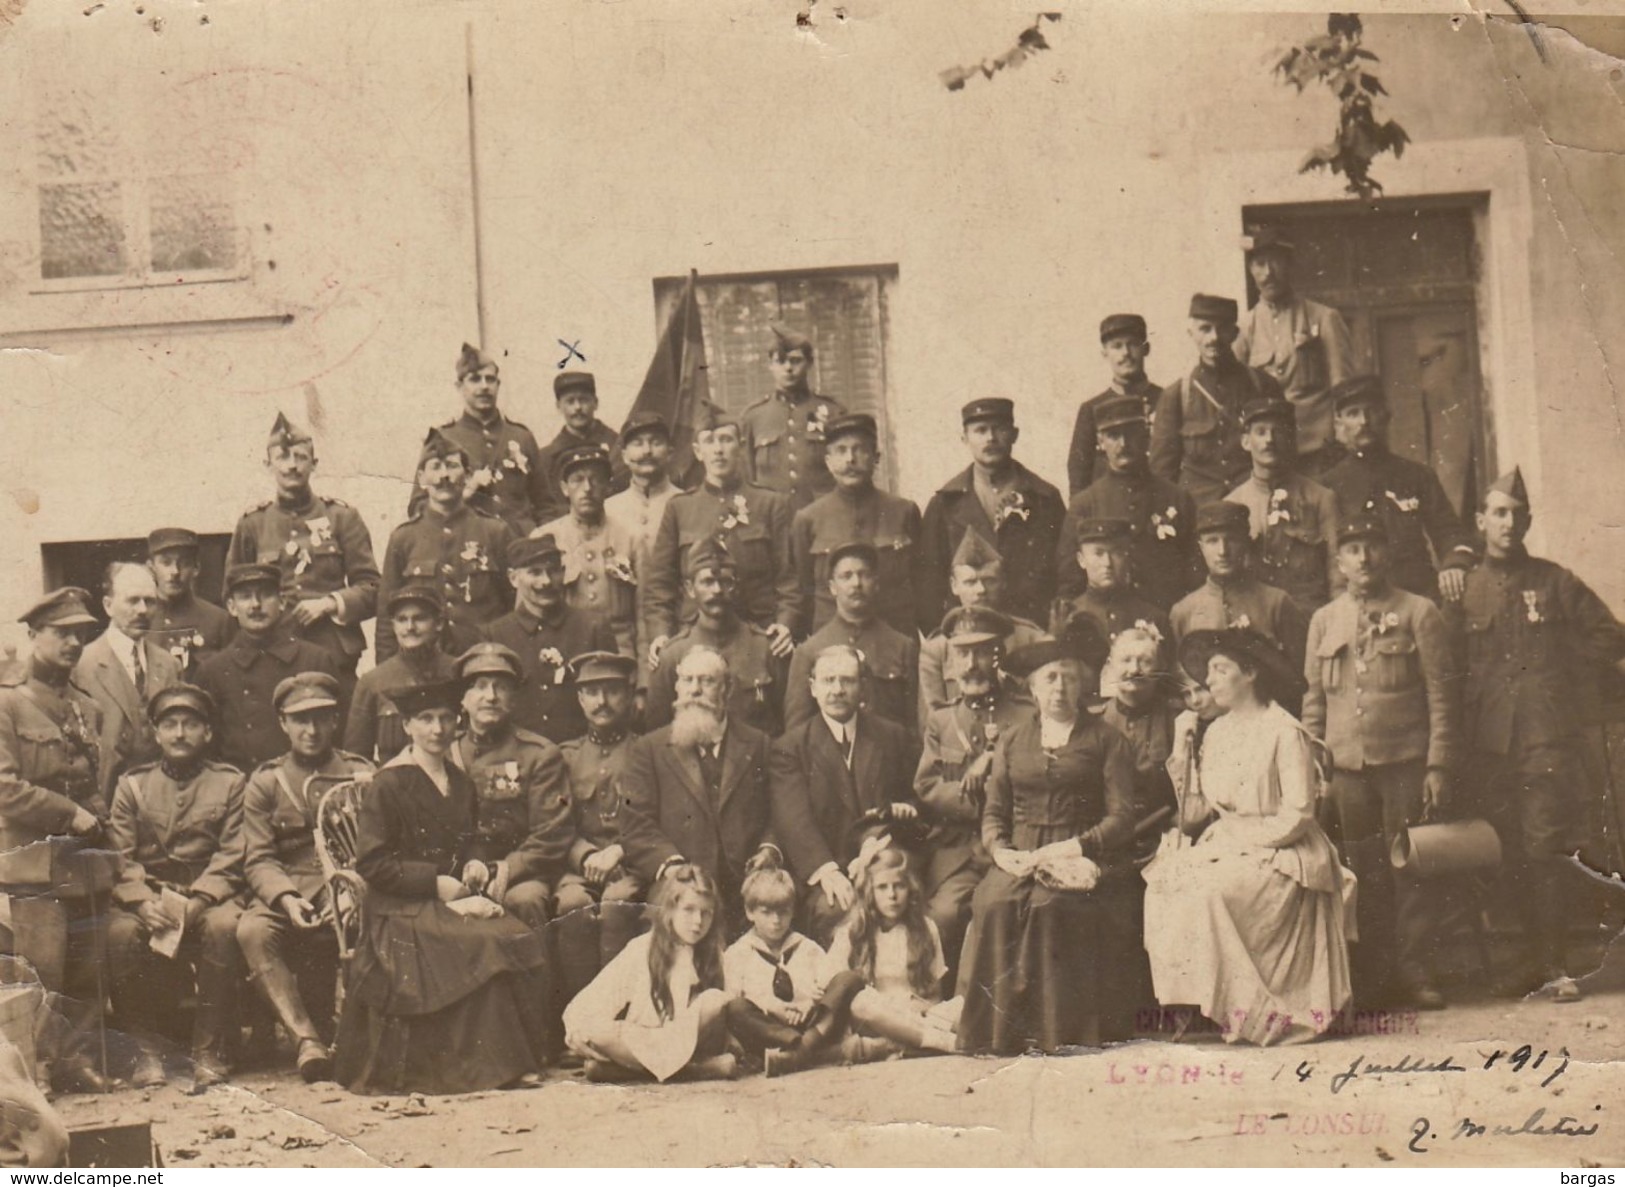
{"x": 1030, "y": 41}
{"x": 1337, "y": 60}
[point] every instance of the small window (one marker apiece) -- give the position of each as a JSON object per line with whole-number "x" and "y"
{"x": 84, "y": 563}
{"x": 843, "y": 310}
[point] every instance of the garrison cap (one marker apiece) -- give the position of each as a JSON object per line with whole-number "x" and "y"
{"x": 1266, "y": 408}
{"x": 593, "y": 667}
{"x": 861, "y": 548}
{"x": 714, "y": 416}
{"x": 1266, "y": 239}
{"x": 1122, "y": 325}
{"x": 164, "y": 539}
{"x": 68, "y": 606}
{"x": 527, "y": 550}
{"x": 422, "y": 595}
{"x": 1511, "y": 485}
{"x": 1357, "y": 389}
{"x": 285, "y": 434}
{"x": 1223, "y": 517}
{"x": 471, "y": 359}
{"x": 785, "y": 340}
{"x": 490, "y": 659}
{"x": 1105, "y": 531}
{"x": 253, "y": 574}
{"x": 306, "y": 691}
{"x": 988, "y": 408}
{"x": 180, "y": 696}
{"x": 1362, "y": 527}
{"x": 975, "y": 551}
{"x": 711, "y": 553}
{"x": 966, "y": 626}
{"x": 437, "y": 445}
{"x": 1217, "y": 309}
{"x": 419, "y": 698}
{"x": 1118, "y": 411}
{"x": 644, "y": 422}
{"x": 580, "y": 455}
{"x": 850, "y": 424}
{"x": 574, "y": 381}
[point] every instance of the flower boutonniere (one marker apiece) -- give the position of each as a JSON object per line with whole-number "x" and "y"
{"x": 300, "y": 555}
{"x": 553, "y": 659}
{"x": 516, "y": 459}
{"x": 1149, "y": 627}
{"x": 818, "y": 421}
{"x": 734, "y": 512}
{"x": 477, "y": 481}
{"x": 321, "y": 531}
{"x": 1278, "y": 512}
{"x": 1013, "y": 505}
{"x": 1413, "y": 503}
{"x": 619, "y": 567}
{"x": 1382, "y": 623}
{"x": 179, "y": 650}
{"x": 1241, "y": 623}
{"x": 474, "y": 555}
{"x": 1532, "y": 606}
{"x": 1162, "y": 522}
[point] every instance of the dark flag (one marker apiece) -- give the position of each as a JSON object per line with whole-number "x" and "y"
{"x": 676, "y": 386}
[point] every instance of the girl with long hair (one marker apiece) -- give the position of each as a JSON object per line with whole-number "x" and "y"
{"x": 657, "y": 1009}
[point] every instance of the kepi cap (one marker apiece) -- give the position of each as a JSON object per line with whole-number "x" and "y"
{"x": 1205, "y": 307}
{"x": 306, "y": 691}
{"x": 644, "y": 422}
{"x": 253, "y": 574}
{"x": 574, "y": 381}
{"x": 988, "y": 408}
{"x": 592, "y": 667}
{"x": 527, "y": 550}
{"x": 1223, "y": 516}
{"x": 860, "y": 548}
{"x": 1117, "y": 411}
{"x": 422, "y": 595}
{"x": 1266, "y": 408}
{"x": 1105, "y": 531}
{"x": 1362, "y": 527}
{"x": 68, "y": 606}
{"x": 490, "y": 659}
{"x": 1122, "y": 325}
{"x": 852, "y": 424}
{"x": 1260, "y": 239}
{"x": 180, "y": 696}
{"x": 580, "y": 455}
{"x": 165, "y": 539}
{"x": 1357, "y": 389}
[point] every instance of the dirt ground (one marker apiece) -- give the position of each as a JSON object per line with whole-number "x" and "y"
{"x": 1198, "y": 1102}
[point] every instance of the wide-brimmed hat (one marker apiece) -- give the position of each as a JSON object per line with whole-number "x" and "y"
{"x": 1242, "y": 643}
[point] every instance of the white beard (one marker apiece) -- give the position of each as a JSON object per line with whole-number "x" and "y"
{"x": 696, "y": 725}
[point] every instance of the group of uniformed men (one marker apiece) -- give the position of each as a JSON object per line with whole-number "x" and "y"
{"x": 849, "y": 645}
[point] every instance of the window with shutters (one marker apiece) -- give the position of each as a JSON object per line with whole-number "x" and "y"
{"x": 843, "y": 311}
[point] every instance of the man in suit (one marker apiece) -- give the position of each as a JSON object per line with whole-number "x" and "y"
{"x": 123, "y": 668}
{"x": 51, "y": 809}
{"x": 1384, "y": 697}
{"x": 285, "y": 933}
{"x": 175, "y": 824}
{"x": 1196, "y": 429}
{"x": 188, "y": 627}
{"x": 243, "y": 678}
{"x": 321, "y": 546}
{"x": 697, "y": 789}
{"x": 837, "y": 777}
{"x": 1124, "y": 346}
{"x": 1014, "y": 509}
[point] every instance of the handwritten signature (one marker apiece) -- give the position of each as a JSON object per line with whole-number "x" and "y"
{"x": 1564, "y": 1127}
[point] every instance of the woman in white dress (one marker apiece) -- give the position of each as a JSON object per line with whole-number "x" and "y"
{"x": 1247, "y": 923}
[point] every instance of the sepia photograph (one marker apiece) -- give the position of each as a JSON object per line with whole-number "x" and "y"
{"x": 771, "y": 583}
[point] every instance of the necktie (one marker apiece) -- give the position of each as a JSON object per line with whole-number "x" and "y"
{"x": 140, "y": 675}
{"x": 711, "y": 769}
{"x": 846, "y": 746}
{"x": 783, "y": 988}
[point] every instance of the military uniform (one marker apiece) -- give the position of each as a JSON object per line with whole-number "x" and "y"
{"x": 280, "y": 801}
{"x": 521, "y": 814}
{"x": 784, "y": 444}
{"x": 191, "y": 630}
{"x": 242, "y": 680}
{"x": 600, "y": 574}
{"x": 757, "y": 678}
{"x": 373, "y": 726}
{"x": 954, "y": 736}
{"x": 1196, "y": 433}
{"x": 180, "y": 831}
{"x": 503, "y": 463}
{"x": 1024, "y": 530}
{"x": 1383, "y": 697}
{"x": 640, "y": 512}
{"x": 1306, "y": 348}
{"x": 323, "y": 549}
{"x": 1085, "y": 463}
{"x": 463, "y": 554}
{"x": 1293, "y": 520}
{"x": 1162, "y": 544}
{"x": 1531, "y": 636}
{"x": 1243, "y": 602}
{"x": 1411, "y": 503}
{"x": 1115, "y": 611}
{"x": 892, "y": 661}
{"x": 754, "y": 524}
{"x": 889, "y": 523}
{"x": 545, "y": 495}
{"x": 938, "y": 686}
{"x": 546, "y": 704}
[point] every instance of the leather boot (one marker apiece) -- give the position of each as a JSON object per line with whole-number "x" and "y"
{"x": 280, "y": 987}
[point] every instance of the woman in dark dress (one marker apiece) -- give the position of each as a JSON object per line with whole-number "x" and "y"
{"x": 445, "y": 993}
{"x": 1052, "y": 958}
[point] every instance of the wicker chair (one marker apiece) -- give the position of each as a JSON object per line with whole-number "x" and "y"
{"x": 338, "y": 815}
